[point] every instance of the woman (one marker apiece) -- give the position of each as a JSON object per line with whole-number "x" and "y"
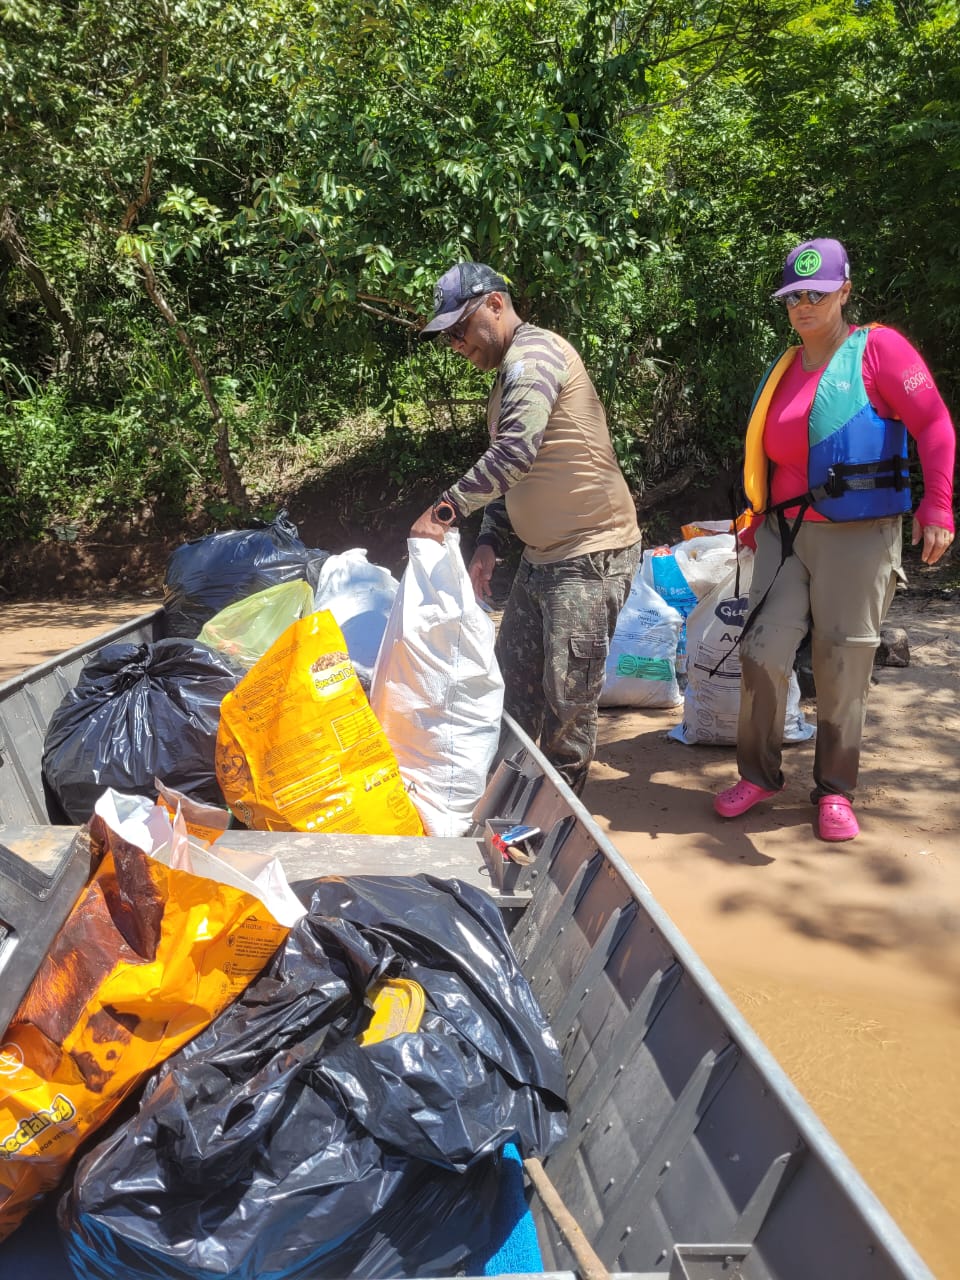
{"x": 826, "y": 475}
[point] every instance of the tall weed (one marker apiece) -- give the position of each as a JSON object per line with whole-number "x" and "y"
{"x": 67, "y": 464}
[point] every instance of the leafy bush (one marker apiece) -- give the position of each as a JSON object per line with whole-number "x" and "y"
{"x": 279, "y": 220}
{"x": 70, "y": 464}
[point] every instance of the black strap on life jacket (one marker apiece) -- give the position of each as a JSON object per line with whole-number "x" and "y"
{"x": 788, "y": 532}
{"x": 846, "y": 477}
{"x": 842, "y": 477}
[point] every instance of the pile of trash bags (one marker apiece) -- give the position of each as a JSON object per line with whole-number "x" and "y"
{"x": 287, "y": 1140}
{"x": 300, "y": 690}
{"x": 333, "y": 1091}
{"x": 163, "y": 936}
{"x": 677, "y": 638}
{"x": 340, "y": 1091}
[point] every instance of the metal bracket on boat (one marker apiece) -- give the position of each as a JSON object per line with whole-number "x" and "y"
{"x": 509, "y": 792}
{"x": 708, "y": 1261}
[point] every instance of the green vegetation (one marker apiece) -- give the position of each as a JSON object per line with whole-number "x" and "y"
{"x": 220, "y": 223}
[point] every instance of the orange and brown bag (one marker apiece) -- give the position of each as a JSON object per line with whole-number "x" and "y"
{"x": 148, "y": 956}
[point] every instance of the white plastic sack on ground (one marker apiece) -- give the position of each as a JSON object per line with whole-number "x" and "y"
{"x": 437, "y": 689}
{"x": 360, "y": 596}
{"x": 711, "y": 702}
{"x": 641, "y": 666}
{"x": 705, "y": 561}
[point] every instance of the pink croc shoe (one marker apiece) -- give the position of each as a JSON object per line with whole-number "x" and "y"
{"x": 736, "y": 800}
{"x": 836, "y": 819}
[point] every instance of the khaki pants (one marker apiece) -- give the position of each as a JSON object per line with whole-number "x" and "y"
{"x": 838, "y": 584}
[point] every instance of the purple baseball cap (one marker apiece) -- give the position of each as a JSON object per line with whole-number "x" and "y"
{"x": 456, "y": 289}
{"x": 815, "y": 264}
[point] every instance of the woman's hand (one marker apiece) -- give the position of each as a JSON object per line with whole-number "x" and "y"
{"x": 936, "y": 540}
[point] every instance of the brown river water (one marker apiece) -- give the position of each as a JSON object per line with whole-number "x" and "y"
{"x": 845, "y": 959}
{"x": 872, "y": 1045}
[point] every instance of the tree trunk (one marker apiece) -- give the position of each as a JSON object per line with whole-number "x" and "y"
{"x": 236, "y": 492}
{"x": 57, "y": 307}
{"x": 668, "y": 488}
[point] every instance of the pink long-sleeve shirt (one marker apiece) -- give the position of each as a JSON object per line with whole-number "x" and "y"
{"x": 899, "y": 385}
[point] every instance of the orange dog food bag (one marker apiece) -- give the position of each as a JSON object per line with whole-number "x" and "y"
{"x": 299, "y": 748}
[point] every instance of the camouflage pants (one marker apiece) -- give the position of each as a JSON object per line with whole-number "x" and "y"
{"x": 552, "y": 647}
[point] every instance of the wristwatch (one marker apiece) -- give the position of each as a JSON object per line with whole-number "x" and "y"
{"x": 444, "y": 513}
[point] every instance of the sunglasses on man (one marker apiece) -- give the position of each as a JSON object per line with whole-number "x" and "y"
{"x": 457, "y": 332}
{"x": 813, "y": 296}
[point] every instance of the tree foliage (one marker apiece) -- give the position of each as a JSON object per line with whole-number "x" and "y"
{"x": 288, "y": 177}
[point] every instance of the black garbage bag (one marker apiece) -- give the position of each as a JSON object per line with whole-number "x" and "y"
{"x": 275, "y": 1144}
{"x": 138, "y": 712}
{"x": 206, "y": 575}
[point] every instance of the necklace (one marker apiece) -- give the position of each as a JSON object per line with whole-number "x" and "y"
{"x": 809, "y": 366}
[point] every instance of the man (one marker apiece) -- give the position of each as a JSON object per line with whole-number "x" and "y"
{"x": 550, "y": 476}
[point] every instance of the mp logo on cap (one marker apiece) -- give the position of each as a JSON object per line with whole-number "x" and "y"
{"x": 437, "y": 297}
{"x": 807, "y": 262}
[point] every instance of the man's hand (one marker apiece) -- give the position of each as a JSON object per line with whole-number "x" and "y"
{"x": 481, "y": 570}
{"x": 428, "y": 526}
{"x": 936, "y": 539}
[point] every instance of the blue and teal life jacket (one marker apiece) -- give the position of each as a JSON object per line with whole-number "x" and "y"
{"x": 857, "y": 461}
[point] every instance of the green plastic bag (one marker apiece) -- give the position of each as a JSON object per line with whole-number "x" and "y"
{"x": 245, "y": 630}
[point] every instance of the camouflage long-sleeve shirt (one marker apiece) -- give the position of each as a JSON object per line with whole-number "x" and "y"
{"x": 550, "y": 473}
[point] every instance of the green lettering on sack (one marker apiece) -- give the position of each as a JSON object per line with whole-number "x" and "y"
{"x": 629, "y": 664}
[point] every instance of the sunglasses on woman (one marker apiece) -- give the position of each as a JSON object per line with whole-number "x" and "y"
{"x": 813, "y": 296}
{"x": 457, "y": 332}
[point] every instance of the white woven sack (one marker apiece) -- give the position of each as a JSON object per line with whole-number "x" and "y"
{"x": 437, "y": 689}
{"x": 705, "y": 561}
{"x": 711, "y": 701}
{"x": 360, "y": 596}
{"x": 641, "y": 668}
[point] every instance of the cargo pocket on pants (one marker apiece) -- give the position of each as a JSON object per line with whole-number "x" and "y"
{"x": 586, "y": 660}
